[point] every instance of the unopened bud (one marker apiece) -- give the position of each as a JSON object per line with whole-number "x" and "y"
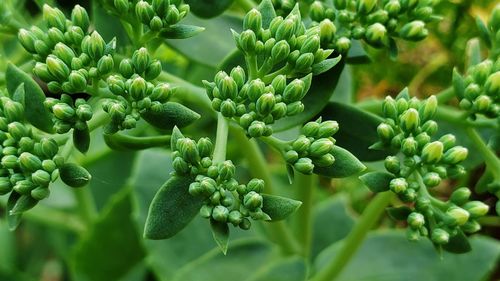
{"x": 432, "y": 152}
{"x": 304, "y": 165}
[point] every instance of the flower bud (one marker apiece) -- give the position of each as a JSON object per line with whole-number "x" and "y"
{"x": 279, "y": 111}
{"x": 180, "y": 166}
{"x": 238, "y": 75}
{"x": 455, "y": 155}
{"x": 432, "y": 152}
{"x": 255, "y": 89}
{"x": 9, "y": 162}
{"x": 416, "y": 220}
{"x": 385, "y": 132}
{"x": 12, "y": 110}
{"x": 49, "y": 147}
{"x": 409, "y": 146}
{"x": 327, "y": 129}
{"x": 256, "y": 129}
{"x": 138, "y": 88}
{"x": 448, "y": 141}
{"x": 280, "y": 51}
{"x": 440, "y": 236}
{"x": 144, "y": 11}
{"x": 430, "y": 127}
{"x": 24, "y": 186}
{"x": 126, "y": 68}
{"x": 189, "y": 151}
{"x": 366, "y": 6}
{"x": 393, "y": 7}
{"x": 410, "y": 120}
{"x": 80, "y": 18}
{"x": 476, "y": 208}
{"x": 324, "y": 160}
{"x": 460, "y": 196}
{"x": 5, "y": 185}
{"x": 294, "y": 91}
{"x": 141, "y": 60}
{"x": 228, "y": 88}
{"x": 265, "y": 104}
{"x": 29, "y": 162}
{"x": 121, "y": 6}
{"x": 57, "y": 68}
{"x": 285, "y": 30}
{"x": 228, "y": 108}
{"x": 432, "y": 179}
{"x": 429, "y": 108}
{"x": 311, "y": 45}
{"x": 235, "y": 217}
{"x": 389, "y": 108}
{"x": 105, "y": 65}
{"x": 63, "y": 111}
{"x": 247, "y": 41}
{"x": 327, "y": 31}
{"x": 220, "y": 213}
{"x": 376, "y": 35}
{"x": 398, "y": 185}
{"x": 304, "y": 62}
{"x": 320, "y": 147}
{"x": 41, "y": 177}
{"x": 173, "y": 15}
{"x": 226, "y": 170}
{"x": 54, "y": 17}
{"x": 492, "y": 85}
{"x": 301, "y": 144}
{"x": 77, "y": 81}
{"x": 304, "y": 165}
{"x": 205, "y": 147}
{"x": 253, "y": 20}
{"x": 414, "y": 31}
{"x": 27, "y": 40}
{"x": 94, "y": 46}
{"x": 252, "y": 200}
{"x": 392, "y": 164}
{"x": 310, "y": 129}
{"x": 459, "y": 215}
{"x": 256, "y": 185}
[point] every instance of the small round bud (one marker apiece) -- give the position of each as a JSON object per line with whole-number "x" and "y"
{"x": 471, "y": 226}
{"x": 460, "y": 196}
{"x": 247, "y": 41}
{"x": 105, "y": 65}
{"x": 238, "y": 75}
{"x": 429, "y": 108}
{"x": 256, "y": 185}
{"x": 376, "y": 35}
{"x": 253, "y": 20}
{"x": 220, "y": 213}
{"x": 327, "y": 129}
{"x": 41, "y": 177}
{"x": 94, "y": 46}
{"x": 285, "y": 30}
{"x": 327, "y": 31}
{"x": 280, "y": 51}
{"x": 256, "y": 129}
{"x": 252, "y": 200}
{"x": 255, "y": 89}
{"x": 49, "y": 147}
{"x": 459, "y": 215}
{"x": 410, "y": 120}
{"x": 294, "y": 108}
{"x": 27, "y": 40}
{"x": 432, "y": 152}
{"x": 366, "y": 6}
{"x": 294, "y": 91}
{"x": 325, "y": 160}
{"x": 291, "y": 156}
{"x": 310, "y": 129}
{"x": 320, "y": 147}
{"x": 432, "y": 179}
{"x": 398, "y": 185}
{"x": 409, "y": 146}
{"x": 80, "y": 18}
{"x": 414, "y": 31}
{"x": 180, "y": 166}
{"x": 440, "y": 236}
{"x": 144, "y": 11}
{"x": 301, "y": 144}
{"x": 416, "y": 220}
{"x": 9, "y": 162}
{"x": 392, "y": 164}
{"x": 448, "y": 141}
{"x": 141, "y": 59}
{"x": 385, "y": 132}
{"x": 389, "y": 108}
{"x": 57, "y": 68}
{"x": 476, "y": 208}
{"x": 235, "y": 217}
{"x": 226, "y": 170}
{"x": 304, "y": 165}
{"x": 29, "y": 162}
{"x": 54, "y": 17}
{"x": 63, "y": 111}
{"x": 455, "y": 155}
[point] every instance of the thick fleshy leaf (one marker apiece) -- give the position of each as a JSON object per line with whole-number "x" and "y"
{"x": 35, "y": 111}
{"x": 317, "y": 98}
{"x": 377, "y": 181}
{"x": 266, "y": 8}
{"x": 120, "y": 141}
{"x": 473, "y": 52}
{"x": 356, "y": 54}
{"x": 345, "y": 165}
{"x": 208, "y": 8}
{"x": 358, "y": 130}
{"x": 325, "y": 65}
{"x": 483, "y": 32}
{"x": 344, "y": 91}
{"x": 398, "y": 213}
{"x": 181, "y": 31}
{"x": 388, "y": 256}
{"x": 220, "y": 232}
{"x": 13, "y": 220}
{"x": 169, "y": 115}
{"x": 172, "y": 209}
{"x": 74, "y": 175}
{"x": 279, "y": 208}
{"x": 81, "y": 139}
{"x": 95, "y": 256}
{"x": 458, "y": 244}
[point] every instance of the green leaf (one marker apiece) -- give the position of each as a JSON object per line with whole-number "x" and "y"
{"x": 483, "y": 32}
{"x": 208, "y": 8}
{"x": 95, "y": 256}
{"x": 344, "y": 91}
{"x": 398, "y": 213}
{"x": 317, "y": 98}
{"x": 74, "y": 175}
{"x": 289, "y": 269}
{"x": 279, "y": 208}
{"x": 81, "y": 139}
{"x": 169, "y": 115}
{"x": 358, "y": 130}
{"x": 458, "y": 83}
{"x": 266, "y": 8}
{"x": 458, "y": 244}
{"x": 325, "y": 65}
{"x": 345, "y": 165}
{"x": 19, "y": 94}
{"x": 388, "y": 256}
{"x": 332, "y": 221}
{"x": 35, "y": 111}
{"x": 393, "y": 49}
{"x": 377, "y": 181}
{"x": 473, "y": 52}
{"x": 120, "y": 141}
{"x": 356, "y": 54}
{"x": 23, "y": 204}
{"x": 13, "y": 220}
{"x": 404, "y": 94}
{"x": 220, "y": 232}
{"x": 172, "y": 209}
{"x": 181, "y": 31}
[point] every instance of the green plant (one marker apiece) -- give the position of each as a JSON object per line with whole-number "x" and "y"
{"x": 269, "y": 114}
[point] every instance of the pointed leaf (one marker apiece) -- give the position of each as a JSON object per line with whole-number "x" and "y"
{"x": 398, "y": 213}
{"x": 377, "y": 181}
{"x": 19, "y": 94}
{"x": 74, "y": 175}
{"x": 290, "y": 172}
{"x": 473, "y": 51}
{"x": 176, "y": 135}
{"x": 483, "y": 32}
{"x": 279, "y": 208}
{"x": 356, "y": 54}
{"x": 220, "y": 232}
{"x": 345, "y": 165}
{"x": 325, "y": 65}
{"x": 458, "y": 83}
{"x": 13, "y": 219}
{"x": 35, "y": 111}
{"x": 266, "y": 8}
{"x": 172, "y": 209}
{"x": 81, "y": 139}
{"x": 170, "y": 114}
{"x": 404, "y": 94}
{"x": 458, "y": 244}
{"x": 208, "y": 8}
{"x": 181, "y": 31}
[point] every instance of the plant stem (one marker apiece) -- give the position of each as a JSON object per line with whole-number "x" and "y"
{"x": 86, "y": 204}
{"x": 276, "y": 143}
{"x": 246, "y": 5}
{"x": 354, "y": 240}
{"x": 306, "y": 186}
{"x": 445, "y": 95}
{"x": 221, "y": 139}
{"x": 279, "y": 230}
{"x": 490, "y": 158}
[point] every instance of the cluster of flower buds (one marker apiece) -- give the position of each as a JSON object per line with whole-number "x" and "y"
{"x": 254, "y": 104}
{"x": 155, "y": 14}
{"x": 28, "y": 164}
{"x": 133, "y": 92}
{"x": 481, "y": 89}
{"x": 313, "y": 147}
{"x": 286, "y": 46}
{"x": 420, "y": 165}
{"x": 68, "y": 56}
{"x": 68, "y": 114}
{"x": 375, "y": 23}
{"x": 225, "y": 200}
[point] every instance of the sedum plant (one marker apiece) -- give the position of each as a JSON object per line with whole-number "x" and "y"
{"x": 232, "y": 125}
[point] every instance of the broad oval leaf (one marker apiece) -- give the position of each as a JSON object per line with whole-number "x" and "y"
{"x": 220, "y": 232}
{"x": 208, "y": 8}
{"x": 74, "y": 175}
{"x": 358, "y": 130}
{"x": 181, "y": 31}
{"x": 172, "y": 209}
{"x": 81, "y": 139}
{"x": 35, "y": 111}
{"x": 398, "y": 213}
{"x": 170, "y": 114}
{"x": 458, "y": 244}
{"x": 279, "y": 208}
{"x": 325, "y": 65}
{"x": 345, "y": 165}
{"x": 377, "y": 181}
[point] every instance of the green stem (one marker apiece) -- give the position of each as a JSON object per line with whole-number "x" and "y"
{"x": 86, "y": 204}
{"x": 354, "y": 240}
{"x": 490, "y": 158}
{"x": 276, "y": 143}
{"x": 221, "y": 139}
{"x": 445, "y": 95}
{"x": 306, "y": 186}
{"x": 253, "y": 72}
{"x": 443, "y": 206}
{"x": 279, "y": 230}
{"x": 122, "y": 141}
{"x": 246, "y": 5}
